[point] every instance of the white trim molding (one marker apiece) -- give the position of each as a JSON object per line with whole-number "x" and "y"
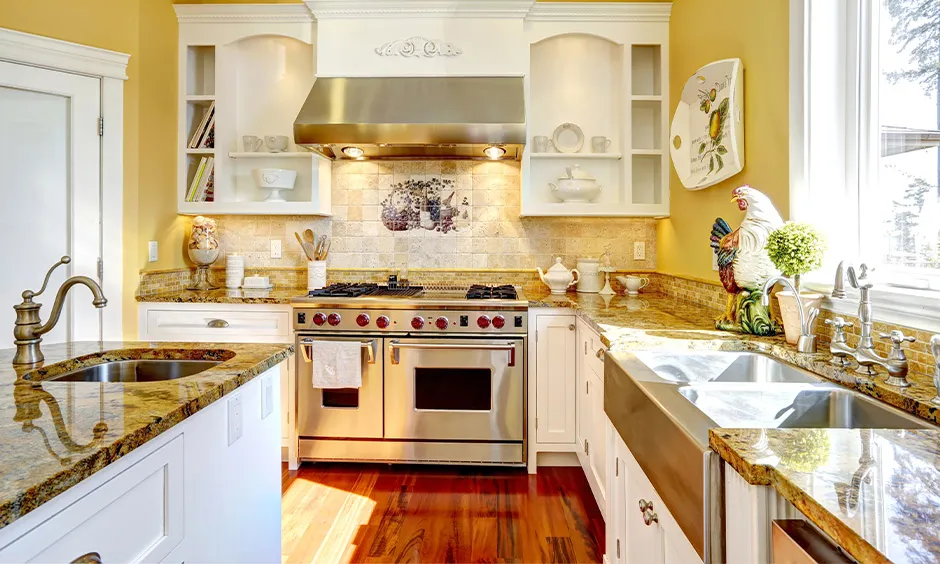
{"x": 600, "y": 12}
{"x": 418, "y": 46}
{"x": 40, "y": 51}
{"x": 326, "y": 9}
{"x": 242, "y": 13}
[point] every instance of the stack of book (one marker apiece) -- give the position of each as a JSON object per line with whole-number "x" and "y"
{"x": 204, "y": 136}
{"x": 202, "y": 188}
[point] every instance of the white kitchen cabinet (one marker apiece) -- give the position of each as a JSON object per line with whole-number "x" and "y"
{"x": 640, "y": 529}
{"x": 591, "y": 428}
{"x": 555, "y": 370}
{"x": 230, "y": 323}
{"x": 187, "y": 495}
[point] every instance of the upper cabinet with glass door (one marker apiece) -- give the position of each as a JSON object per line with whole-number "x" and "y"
{"x": 597, "y": 110}
{"x": 245, "y": 71}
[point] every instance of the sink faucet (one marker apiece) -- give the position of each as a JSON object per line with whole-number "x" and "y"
{"x": 896, "y": 362}
{"x": 807, "y": 341}
{"x": 28, "y": 330}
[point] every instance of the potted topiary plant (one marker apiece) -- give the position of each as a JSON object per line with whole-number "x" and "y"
{"x": 795, "y": 249}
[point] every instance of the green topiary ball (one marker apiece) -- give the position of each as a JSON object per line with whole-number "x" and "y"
{"x": 796, "y": 248}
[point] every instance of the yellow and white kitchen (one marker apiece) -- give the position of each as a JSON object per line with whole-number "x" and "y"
{"x": 470, "y": 281}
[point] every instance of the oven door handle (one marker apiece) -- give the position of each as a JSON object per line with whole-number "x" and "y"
{"x": 306, "y": 349}
{"x": 394, "y": 346}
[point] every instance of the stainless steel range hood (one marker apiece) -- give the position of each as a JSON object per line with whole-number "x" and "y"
{"x": 413, "y": 117}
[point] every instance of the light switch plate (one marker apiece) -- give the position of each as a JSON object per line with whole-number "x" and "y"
{"x": 152, "y": 251}
{"x": 639, "y": 250}
{"x": 267, "y": 396}
{"x": 275, "y": 248}
{"x": 236, "y": 420}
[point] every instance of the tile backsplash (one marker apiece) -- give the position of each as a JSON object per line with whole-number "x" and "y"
{"x": 482, "y": 228}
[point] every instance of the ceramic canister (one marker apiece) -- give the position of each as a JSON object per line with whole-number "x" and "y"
{"x": 591, "y": 280}
{"x": 316, "y": 274}
{"x": 234, "y": 270}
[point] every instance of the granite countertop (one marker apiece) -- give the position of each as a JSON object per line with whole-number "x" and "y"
{"x": 892, "y": 518}
{"x": 55, "y": 434}
{"x": 226, "y": 296}
{"x": 876, "y": 492}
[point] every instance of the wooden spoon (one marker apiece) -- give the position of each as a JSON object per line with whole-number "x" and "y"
{"x": 310, "y": 236}
{"x": 303, "y": 245}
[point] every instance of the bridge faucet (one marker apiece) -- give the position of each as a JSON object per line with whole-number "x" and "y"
{"x": 28, "y": 330}
{"x": 807, "y": 341}
{"x": 896, "y": 362}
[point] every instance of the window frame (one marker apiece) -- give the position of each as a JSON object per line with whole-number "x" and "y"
{"x": 833, "y": 73}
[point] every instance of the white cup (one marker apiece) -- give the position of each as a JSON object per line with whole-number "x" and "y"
{"x": 634, "y": 284}
{"x": 600, "y": 144}
{"x": 316, "y": 274}
{"x": 252, "y": 143}
{"x": 276, "y": 143}
{"x": 540, "y": 144}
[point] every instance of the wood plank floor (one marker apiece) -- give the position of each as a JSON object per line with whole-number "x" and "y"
{"x": 380, "y": 513}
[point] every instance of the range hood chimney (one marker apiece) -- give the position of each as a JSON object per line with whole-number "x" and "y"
{"x": 481, "y": 117}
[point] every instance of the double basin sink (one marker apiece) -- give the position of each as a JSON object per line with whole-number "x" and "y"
{"x": 663, "y": 404}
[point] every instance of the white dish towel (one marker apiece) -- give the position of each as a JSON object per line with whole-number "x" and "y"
{"x": 336, "y": 364}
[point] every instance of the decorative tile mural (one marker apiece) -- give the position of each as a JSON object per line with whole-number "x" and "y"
{"x": 437, "y": 214}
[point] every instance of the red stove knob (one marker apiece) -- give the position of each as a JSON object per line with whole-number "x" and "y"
{"x": 483, "y": 322}
{"x": 362, "y": 319}
{"x": 417, "y": 323}
{"x": 442, "y": 323}
{"x": 319, "y": 319}
{"x": 382, "y": 322}
{"x": 334, "y": 319}
{"x": 499, "y": 322}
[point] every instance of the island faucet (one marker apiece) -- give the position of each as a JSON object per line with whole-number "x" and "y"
{"x": 896, "y": 362}
{"x": 28, "y": 330}
{"x": 807, "y": 340}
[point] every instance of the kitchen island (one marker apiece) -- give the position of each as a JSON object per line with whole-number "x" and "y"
{"x": 67, "y": 442}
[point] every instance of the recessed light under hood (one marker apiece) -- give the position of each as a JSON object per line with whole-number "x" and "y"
{"x": 413, "y": 117}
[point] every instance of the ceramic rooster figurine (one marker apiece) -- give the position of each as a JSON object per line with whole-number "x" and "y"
{"x": 743, "y": 264}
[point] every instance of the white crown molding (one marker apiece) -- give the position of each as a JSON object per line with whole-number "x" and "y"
{"x": 39, "y": 51}
{"x": 331, "y": 9}
{"x": 418, "y": 46}
{"x": 600, "y": 11}
{"x": 253, "y": 13}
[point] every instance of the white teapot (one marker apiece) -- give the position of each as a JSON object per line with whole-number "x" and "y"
{"x": 558, "y": 278}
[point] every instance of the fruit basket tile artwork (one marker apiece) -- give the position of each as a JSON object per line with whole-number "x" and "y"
{"x": 707, "y": 134}
{"x": 424, "y": 204}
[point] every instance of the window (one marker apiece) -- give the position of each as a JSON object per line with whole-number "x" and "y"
{"x": 865, "y": 144}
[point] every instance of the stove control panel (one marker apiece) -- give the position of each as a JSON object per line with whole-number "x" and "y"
{"x": 411, "y": 321}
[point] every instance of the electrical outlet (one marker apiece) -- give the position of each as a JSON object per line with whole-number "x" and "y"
{"x": 275, "y": 248}
{"x": 714, "y": 262}
{"x": 639, "y": 250}
{"x": 152, "y": 251}
{"x": 267, "y": 396}
{"x": 236, "y": 420}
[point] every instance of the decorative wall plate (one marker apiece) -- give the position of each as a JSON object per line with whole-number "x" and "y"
{"x": 568, "y": 138}
{"x": 707, "y": 134}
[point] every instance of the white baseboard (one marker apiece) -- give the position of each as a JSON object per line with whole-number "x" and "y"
{"x": 557, "y": 459}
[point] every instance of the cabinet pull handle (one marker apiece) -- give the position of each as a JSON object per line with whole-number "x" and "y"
{"x": 88, "y": 558}
{"x": 618, "y": 548}
{"x": 587, "y": 447}
{"x": 571, "y": 327}
{"x": 217, "y": 323}
{"x": 617, "y": 470}
{"x": 645, "y": 505}
{"x": 587, "y": 387}
{"x": 650, "y": 518}
{"x": 600, "y": 354}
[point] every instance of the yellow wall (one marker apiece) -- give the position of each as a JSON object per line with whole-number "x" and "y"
{"x": 702, "y": 31}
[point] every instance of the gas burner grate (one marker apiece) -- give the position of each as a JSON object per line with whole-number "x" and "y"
{"x": 504, "y": 292}
{"x": 347, "y": 290}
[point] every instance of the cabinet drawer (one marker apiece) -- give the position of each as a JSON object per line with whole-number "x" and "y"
{"x": 135, "y": 516}
{"x": 226, "y": 326}
{"x": 591, "y": 345}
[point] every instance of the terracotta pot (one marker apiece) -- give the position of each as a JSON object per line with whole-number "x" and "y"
{"x": 791, "y": 313}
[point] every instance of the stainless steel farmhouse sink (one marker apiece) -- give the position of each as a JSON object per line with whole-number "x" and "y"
{"x": 664, "y": 403}
{"x": 136, "y": 371}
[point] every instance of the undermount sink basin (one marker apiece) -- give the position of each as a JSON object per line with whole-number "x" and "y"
{"x": 136, "y": 371}
{"x": 701, "y": 367}
{"x": 794, "y": 406}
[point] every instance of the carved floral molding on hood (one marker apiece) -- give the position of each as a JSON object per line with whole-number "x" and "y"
{"x": 418, "y": 47}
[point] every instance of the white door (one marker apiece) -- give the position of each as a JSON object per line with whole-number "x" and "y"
{"x": 49, "y": 193}
{"x": 556, "y": 379}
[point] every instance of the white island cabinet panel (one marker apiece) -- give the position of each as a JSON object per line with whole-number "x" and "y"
{"x": 555, "y": 370}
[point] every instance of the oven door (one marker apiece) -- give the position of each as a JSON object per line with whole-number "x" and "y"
{"x": 340, "y": 413}
{"x": 455, "y": 389}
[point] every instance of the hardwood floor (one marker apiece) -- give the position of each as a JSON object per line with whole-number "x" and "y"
{"x": 380, "y": 513}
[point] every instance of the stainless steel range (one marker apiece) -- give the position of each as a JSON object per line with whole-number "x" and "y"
{"x": 443, "y": 375}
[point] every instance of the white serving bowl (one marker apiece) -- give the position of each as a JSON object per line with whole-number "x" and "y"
{"x": 576, "y": 189}
{"x": 274, "y": 179}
